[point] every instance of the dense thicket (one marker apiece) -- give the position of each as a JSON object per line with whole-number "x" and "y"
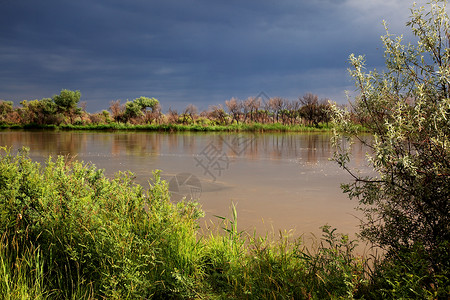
{"x": 64, "y": 109}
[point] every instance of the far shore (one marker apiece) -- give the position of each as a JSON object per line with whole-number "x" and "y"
{"x": 252, "y": 127}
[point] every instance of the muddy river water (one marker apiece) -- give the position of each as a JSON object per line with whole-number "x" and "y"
{"x": 278, "y": 181}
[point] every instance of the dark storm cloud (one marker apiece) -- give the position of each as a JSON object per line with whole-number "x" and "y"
{"x": 193, "y": 51}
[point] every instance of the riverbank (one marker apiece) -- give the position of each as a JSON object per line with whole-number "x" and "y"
{"x": 252, "y": 127}
{"x": 69, "y": 232}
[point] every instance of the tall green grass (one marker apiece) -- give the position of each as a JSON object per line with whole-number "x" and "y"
{"x": 111, "y": 235}
{"x": 260, "y": 267}
{"x": 252, "y": 127}
{"x": 22, "y": 277}
{"x": 71, "y": 233}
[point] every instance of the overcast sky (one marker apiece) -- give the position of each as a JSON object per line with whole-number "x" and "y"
{"x": 188, "y": 51}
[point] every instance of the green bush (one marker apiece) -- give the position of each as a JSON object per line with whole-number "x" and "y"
{"x": 108, "y": 234}
{"x": 407, "y": 275}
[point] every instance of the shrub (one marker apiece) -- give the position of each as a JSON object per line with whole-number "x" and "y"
{"x": 92, "y": 231}
{"x": 406, "y": 108}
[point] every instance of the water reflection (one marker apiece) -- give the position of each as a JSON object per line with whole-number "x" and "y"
{"x": 45, "y": 142}
{"x": 284, "y": 179}
{"x": 309, "y": 147}
{"x": 135, "y": 144}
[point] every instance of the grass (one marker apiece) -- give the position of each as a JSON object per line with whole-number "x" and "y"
{"x": 253, "y": 127}
{"x": 71, "y": 233}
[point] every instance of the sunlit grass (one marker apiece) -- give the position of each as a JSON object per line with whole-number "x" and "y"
{"x": 71, "y": 233}
{"x": 242, "y": 127}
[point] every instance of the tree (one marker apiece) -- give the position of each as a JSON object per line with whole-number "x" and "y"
{"x": 172, "y": 116}
{"x": 234, "y": 106}
{"x": 135, "y": 110}
{"x": 132, "y": 110}
{"x": 145, "y": 102}
{"x": 6, "y": 108}
{"x": 276, "y": 105}
{"x": 293, "y": 111}
{"x": 67, "y": 102}
{"x": 251, "y": 106}
{"x": 324, "y": 111}
{"x": 310, "y": 110}
{"x": 218, "y": 114}
{"x": 117, "y": 110}
{"x": 189, "y": 114}
{"x": 406, "y": 108}
{"x": 39, "y": 112}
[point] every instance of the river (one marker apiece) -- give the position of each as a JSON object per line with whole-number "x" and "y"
{"x": 278, "y": 181}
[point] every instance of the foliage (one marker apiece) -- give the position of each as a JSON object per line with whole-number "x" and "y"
{"x": 22, "y": 277}
{"x": 48, "y": 111}
{"x": 67, "y": 104}
{"x": 261, "y": 268}
{"x": 406, "y": 274}
{"x": 63, "y": 109}
{"x": 313, "y": 110}
{"x": 135, "y": 111}
{"x": 116, "y": 110}
{"x": 145, "y": 102}
{"x": 6, "y": 107}
{"x": 407, "y": 109}
{"x": 217, "y": 115}
{"x": 72, "y": 233}
{"x": 132, "y": 110}
{"x": 88, "y": 230}
{"x": 39, "y": 112}
{"x": 67, "y": 100}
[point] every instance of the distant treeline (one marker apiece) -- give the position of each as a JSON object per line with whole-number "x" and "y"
{"x": 66, "y": 109}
